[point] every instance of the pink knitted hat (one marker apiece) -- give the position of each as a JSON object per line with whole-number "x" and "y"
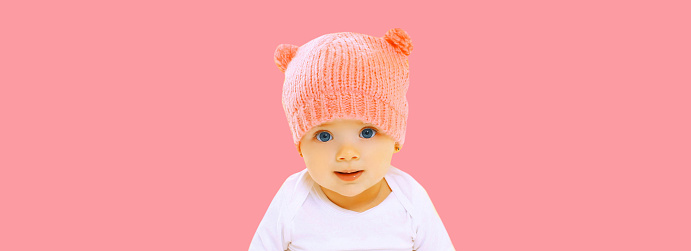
{"x": 347, "y": 75}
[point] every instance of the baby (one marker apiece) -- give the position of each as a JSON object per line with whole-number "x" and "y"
{"x": 344, "y": 97}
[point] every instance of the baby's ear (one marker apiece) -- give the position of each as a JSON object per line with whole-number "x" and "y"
{"x": 299, "y": 150}
{"x": 399, "y": 39}
{"x": 284, "y": 54}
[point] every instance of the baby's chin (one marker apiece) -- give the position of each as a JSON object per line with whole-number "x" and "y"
{"x": 351, "y": 192}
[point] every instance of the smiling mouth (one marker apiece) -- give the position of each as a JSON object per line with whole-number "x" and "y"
{"x": 351, "y": 176}
{"x": 348, "y": 171}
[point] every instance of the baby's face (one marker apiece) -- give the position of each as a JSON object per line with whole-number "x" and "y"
{"x": 347, "y": 145}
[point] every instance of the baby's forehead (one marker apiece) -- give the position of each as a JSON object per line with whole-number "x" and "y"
{"x": 339, "y": 122}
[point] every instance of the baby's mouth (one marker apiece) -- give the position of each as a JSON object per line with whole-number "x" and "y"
{"x": 349, "y": 175}
{"x": 348, "y": 171}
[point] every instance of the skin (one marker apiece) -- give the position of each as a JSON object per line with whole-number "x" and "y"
{"x": 344, "y": 144}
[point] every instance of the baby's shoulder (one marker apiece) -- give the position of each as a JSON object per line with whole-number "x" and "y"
{"x": 406, "y": 185}
{"x": 294, "y": 187}
{"x": 294, "y": 181}
{"x": 294, "y": 178}
{"x": 412, "y": 195}
{"x": 405, "y": 182}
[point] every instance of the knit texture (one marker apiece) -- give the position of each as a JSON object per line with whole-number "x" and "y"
{"x": 347, "y": 75}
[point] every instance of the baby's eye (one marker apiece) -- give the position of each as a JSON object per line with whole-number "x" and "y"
{"x": 368, "y": 133}
{"x": 323, "y": 136}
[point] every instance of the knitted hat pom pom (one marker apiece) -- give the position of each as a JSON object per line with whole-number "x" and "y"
{"x": 284, "y": 54}
{"x": 399, "y": 39}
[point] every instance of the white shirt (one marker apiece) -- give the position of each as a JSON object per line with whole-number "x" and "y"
{"x": 301, "y": 217}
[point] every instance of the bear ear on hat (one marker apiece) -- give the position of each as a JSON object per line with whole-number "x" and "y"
{"x": 284, "y": 54}
{"x": 399, "y": 39}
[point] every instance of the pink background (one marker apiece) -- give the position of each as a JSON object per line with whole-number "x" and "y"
{"x": 158, "y": 125}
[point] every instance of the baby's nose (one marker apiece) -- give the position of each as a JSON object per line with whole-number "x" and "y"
{"x": 348, "y": 158}
{"x": 348, "y": 153}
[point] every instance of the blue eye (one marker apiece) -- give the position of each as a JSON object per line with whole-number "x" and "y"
{"x": 323, "y": 136}
{"x": 368, "y": 133}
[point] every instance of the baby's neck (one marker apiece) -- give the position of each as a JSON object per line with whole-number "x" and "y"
{"x": 369, "y": 198}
